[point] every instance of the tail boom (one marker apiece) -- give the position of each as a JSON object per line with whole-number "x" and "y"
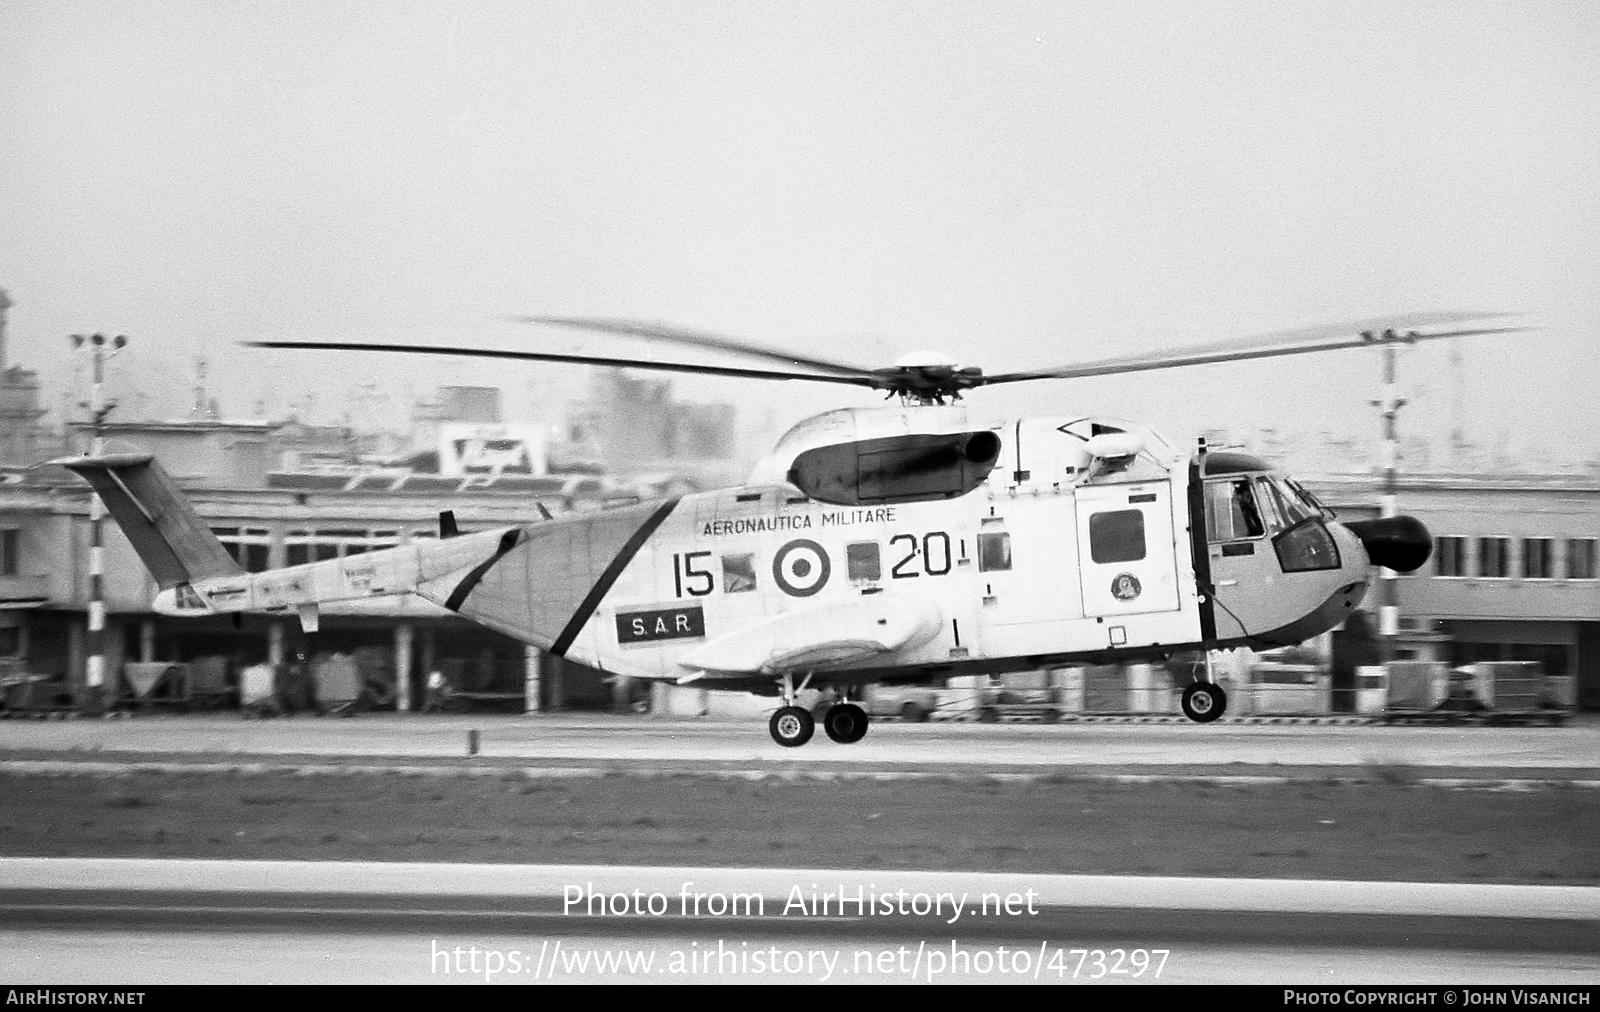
{"x": 386, "y": 572}
{"x": 198, "y": 577}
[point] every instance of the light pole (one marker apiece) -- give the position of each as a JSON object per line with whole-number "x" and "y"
{"x": 95, "y": 673}
{"x": 1389, "y": 498}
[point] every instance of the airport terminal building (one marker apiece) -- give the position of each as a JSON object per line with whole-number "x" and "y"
{"x": 1513, "y": 573}
{"x": 1513, "y": 576}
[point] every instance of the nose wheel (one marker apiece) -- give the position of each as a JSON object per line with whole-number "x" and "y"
{"x": 1204, "y": 702}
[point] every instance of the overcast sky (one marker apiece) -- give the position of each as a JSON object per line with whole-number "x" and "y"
{"x": 1017, "y": 184}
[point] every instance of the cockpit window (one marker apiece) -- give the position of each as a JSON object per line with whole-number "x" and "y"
{"x": 1282, "y": 507}
{"x": 1231, "y": 512}
{"x": 1312, "y": 502}
{"x": 1271, "y": 503}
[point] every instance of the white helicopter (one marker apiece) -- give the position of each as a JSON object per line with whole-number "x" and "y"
{"x": 897, "y": 544}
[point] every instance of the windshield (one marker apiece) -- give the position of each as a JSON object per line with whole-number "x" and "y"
{"x": 1282, "y": 506}
{"x": 1305, "y": 496}
{"x": 1249, "y": 506}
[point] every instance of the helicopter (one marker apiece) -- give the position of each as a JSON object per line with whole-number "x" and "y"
{"x": 901, "y": 544}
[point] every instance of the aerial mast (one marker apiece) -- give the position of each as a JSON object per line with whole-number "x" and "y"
{"x": 1389, "y": 499}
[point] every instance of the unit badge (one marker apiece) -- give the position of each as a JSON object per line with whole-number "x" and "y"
{"x": 1125, "y": 587}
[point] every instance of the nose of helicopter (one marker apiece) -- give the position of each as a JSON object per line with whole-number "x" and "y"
{"x": 1400, "y": 543}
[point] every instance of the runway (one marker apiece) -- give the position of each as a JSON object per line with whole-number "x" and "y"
{"x": 642, "y": 740}
{"x": 126, "y": 922}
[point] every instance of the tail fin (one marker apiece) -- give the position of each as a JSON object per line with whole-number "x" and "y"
{"x": 175, "y": 544}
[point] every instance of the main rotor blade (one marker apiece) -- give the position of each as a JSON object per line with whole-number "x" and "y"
{"x": 693, "y": 339}
{"x": 1328, "y": 337}
{"x": 540, "y": 356}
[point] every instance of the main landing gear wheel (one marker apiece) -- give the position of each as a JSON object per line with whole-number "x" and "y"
{"x": 1204, "y": 702}
{"x": 846, "y": 723}
{"x": 792, "y": 726}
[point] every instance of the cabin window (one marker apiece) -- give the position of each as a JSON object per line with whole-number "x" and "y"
{"x": 738, "y": 573}
{"x": 863, "y": 562}
{"x": 8, "y": 552}
{"x": 1580, "y": 558}
{"x": 1231, "y": 512}
{"x": 1494, "y": 557}
{"x": 1450, "y": 556}
{"x": 994, "y": 551}
{"x": 1537, "y": 558}
{"x": 1116, "y": 536}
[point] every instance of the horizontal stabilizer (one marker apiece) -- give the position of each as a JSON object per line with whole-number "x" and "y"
{"x": 174, "y": 543}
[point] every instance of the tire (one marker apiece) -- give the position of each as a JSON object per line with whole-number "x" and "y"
{"x": 1204, "y": 702}
{"x": 845, "y": 723}
{"x": 792, "y": 726}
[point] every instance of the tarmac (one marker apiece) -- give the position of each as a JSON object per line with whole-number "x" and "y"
{"x": 580, "y": 745}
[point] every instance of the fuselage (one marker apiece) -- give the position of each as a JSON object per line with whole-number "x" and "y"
{"x": 1054, "y": 558}
{"x": 1082, "y": 540}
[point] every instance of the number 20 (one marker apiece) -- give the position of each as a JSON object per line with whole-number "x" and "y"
{"x": 929, "y": 554}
